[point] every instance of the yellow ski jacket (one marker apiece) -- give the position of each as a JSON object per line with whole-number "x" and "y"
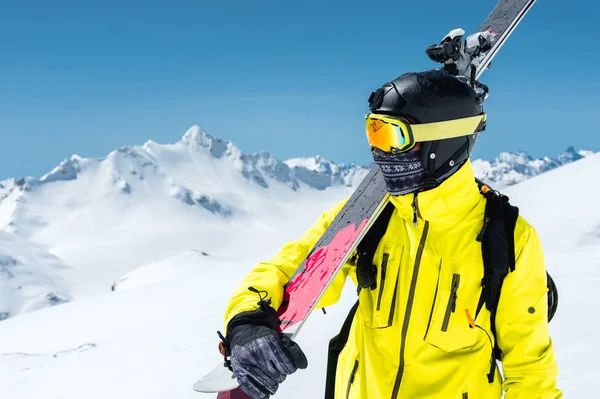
{"x": 409, "y": 338}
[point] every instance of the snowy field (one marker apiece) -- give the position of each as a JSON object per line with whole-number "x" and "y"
{"x": 141, "y": 251}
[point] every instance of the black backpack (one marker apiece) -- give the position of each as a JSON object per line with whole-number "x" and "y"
{"x": 498, "y": 250}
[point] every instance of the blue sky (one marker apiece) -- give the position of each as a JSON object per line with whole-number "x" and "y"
{"x": 290, "y": 77}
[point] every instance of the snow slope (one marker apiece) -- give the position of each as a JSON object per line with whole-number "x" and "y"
{"x": 24, "y": 288}
{"x": 155, "y": 334}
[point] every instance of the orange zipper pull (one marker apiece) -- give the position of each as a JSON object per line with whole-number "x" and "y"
{"x": 470, "y": 319}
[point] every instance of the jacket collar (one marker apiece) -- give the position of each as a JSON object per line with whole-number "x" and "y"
{"x": 448, "y": 203}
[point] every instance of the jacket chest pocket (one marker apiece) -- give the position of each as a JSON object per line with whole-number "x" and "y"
{"x": 456, "y": 297}
{"x": 377, "y": 306}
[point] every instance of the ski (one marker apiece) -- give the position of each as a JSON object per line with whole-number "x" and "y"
{"x": 463, "y": 57}
{"x": 310, "y": 281}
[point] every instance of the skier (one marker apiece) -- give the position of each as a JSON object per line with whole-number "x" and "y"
{"x": 418, "y": 331}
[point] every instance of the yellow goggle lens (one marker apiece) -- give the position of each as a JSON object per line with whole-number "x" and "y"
{"x": 385, "y": 135}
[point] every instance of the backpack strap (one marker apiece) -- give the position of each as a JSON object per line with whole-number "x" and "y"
{"x": 365, "y": 251}
{"x": 498, "y": 251}
{"x": 336, "y": 344}
{"x": 497, "y": 245}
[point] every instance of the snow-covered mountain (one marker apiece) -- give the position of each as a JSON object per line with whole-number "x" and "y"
{"x": 511, "y": 168}
{"x": 147, "y": 203}
{"x": 87, "y": 223}
{"x": 175, "y": 264}
{"x": 199, "y": 171}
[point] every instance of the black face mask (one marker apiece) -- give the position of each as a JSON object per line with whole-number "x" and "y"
{"x": 404, "y": 172}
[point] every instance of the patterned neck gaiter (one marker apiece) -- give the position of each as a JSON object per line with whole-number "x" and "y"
{"x": 404, "y": 173}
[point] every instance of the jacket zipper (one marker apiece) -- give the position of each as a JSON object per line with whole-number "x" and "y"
{"x": 451, "y": 308}
{"x": 465, "y": 395}
{"x": 415, "y": 206}
{"x": 409, "y": 304}
{"x": 351, "y": 379}
{"x": 393, "y": 306}
{"x": 384, "y": 262}
{"x": 435, "y": 294}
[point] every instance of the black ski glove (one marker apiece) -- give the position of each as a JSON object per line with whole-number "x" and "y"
{"x": 261, "y": 358}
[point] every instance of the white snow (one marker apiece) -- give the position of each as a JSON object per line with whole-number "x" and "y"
{"x": 146, "y": 245}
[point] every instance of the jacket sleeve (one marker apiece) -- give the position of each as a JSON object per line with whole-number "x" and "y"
{"x": 271, "y": 276}
{"x": 528, "y": 360}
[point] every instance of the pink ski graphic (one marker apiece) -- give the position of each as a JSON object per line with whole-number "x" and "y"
{"x": 306, "y": 287}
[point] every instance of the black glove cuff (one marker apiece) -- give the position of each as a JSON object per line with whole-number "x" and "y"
{"x": 263, "y": 316}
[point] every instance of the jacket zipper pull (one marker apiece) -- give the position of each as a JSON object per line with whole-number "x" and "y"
{"x": 455, "y": 284}
{"x": 454, "y": 298}
{"x": 415, "y": 213}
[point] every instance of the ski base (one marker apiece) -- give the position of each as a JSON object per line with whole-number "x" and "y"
{"x": 220, "y": 379}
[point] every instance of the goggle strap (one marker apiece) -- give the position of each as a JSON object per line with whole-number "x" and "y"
{"x": 448, "y": 129}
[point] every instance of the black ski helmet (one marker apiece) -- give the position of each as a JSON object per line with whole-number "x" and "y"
{"x": 428, "y": 97}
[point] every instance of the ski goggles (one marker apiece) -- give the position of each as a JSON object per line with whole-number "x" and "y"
{"x": 395, "y": 135}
